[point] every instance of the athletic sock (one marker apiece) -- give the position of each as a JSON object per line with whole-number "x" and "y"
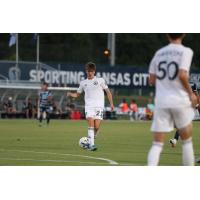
{"x": 40, "y": 119}
{"x": 176, "y": 135}
{"x": 48, "y": 118}
{"x": 188, "y": 152}
{"x": 91, "y": 135}
{"x": 154, "y": 153}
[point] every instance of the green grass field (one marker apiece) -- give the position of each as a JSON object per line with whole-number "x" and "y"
{"x": 23, "y": 143}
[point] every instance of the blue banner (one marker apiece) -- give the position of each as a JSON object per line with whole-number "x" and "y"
{"x": 71, "y": 75}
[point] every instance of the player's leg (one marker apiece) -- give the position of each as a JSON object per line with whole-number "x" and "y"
{"x": 40, "y": 118}
{"x": 91, "y": 133}
{"x": 162, "y": 124}
{"x": 40, "y": 115}
{"x": 48, "y": 117}
{"x": 177, "y": 135}
{"x": 156, "y": 149}
{"x": 98, "y": 118}
{"x": 174, "y": 140}
{"x": 187, "y": 146}
{"x": 27, "y": 115}
{"x": 183, "y": 119}
{"x": 97, "y": 124}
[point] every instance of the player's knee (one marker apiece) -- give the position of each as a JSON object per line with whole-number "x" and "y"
{"x": 185, "y": 133}
{"x": 159, "y": 137}
{"x": 90, "y": 122}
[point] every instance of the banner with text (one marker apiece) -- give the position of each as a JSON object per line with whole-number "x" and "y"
{"x": 71, "y": 75}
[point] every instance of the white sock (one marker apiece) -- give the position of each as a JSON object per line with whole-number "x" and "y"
{"x": 91, "y": 135}
{"x": 188, "y": 152}
{"x": 154, "y": 154}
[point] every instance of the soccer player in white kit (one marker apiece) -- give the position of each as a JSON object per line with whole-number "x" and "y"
{"x": 93, "y": 88}
{"x": 174, "y": 100}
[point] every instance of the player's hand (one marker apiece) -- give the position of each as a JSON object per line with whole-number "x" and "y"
{"x": 112, "y": 107}
{"x": 193, "y": 99}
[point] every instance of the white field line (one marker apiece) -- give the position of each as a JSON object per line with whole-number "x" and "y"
{"x": 66, "y": 161}
{"x": 55, "y": 161}
{"x": 112, "y": 162}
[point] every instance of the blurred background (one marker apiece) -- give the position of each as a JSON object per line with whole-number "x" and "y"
{"x": 27, "y": 60}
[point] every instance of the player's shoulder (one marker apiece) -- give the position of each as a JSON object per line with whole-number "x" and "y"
{"x": 187, "y": 50}
{"x": 161, "y": 50}
{"x": 83, "y": 81}
{"x": 171, "y": 48}
{"x": 100, "y": 79}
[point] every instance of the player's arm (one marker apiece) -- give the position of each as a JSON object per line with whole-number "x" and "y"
{"x": 183, "y": 75}
{"x": 110, "y": 98}
{"x": 73, "y": 94}
{"x": 77, "y": 93}
{"x": 152, "y": 72}
{"x": 198, "y": 99}
{"x": 152, "y": 79}
{"x": 184, "y": 78}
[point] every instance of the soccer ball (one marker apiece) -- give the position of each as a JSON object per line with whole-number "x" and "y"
{"x": 84, "y": 142}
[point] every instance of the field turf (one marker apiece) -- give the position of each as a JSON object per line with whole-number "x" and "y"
{"x": 23, "y": 143}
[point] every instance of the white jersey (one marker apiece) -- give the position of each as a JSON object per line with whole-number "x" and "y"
{"x": 165, "y": 65}
{"x": 94, "y": 92}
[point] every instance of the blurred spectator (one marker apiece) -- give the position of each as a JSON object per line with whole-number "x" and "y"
{"x": 133, "y": 110}
{"x": 30, "y": 109}
{"x": 124, "y": 108}
{"x": 56, "y": 109}
{"x": 9, "y": 107}
{"x": 149, "y": 109}
{"x": 69, "y": 107}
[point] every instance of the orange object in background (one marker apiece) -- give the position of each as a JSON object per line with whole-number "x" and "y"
{"x": 124, "y": 107}
{"x": 75, "y": 115}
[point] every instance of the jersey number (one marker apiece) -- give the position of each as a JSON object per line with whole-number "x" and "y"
{"x": 99, "y": 114}
{"x": 167, "y": 69}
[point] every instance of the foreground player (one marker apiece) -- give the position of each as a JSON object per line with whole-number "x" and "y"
{"x": 45, "y": 98}
{"x": 177, "y": 135}
{"x": 169, "y": 71}
{"x": 93, "y": 88}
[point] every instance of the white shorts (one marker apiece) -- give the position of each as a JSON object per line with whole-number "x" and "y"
{"x": 94, "y": 113}
{"x": 166, "y": 119}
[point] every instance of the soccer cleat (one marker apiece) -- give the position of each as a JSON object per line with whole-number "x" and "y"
{"x": 92, "y": 148}
{"x": 173, "y": 142}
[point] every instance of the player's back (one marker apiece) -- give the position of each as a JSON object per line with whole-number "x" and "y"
{"x": 165, "y": 65}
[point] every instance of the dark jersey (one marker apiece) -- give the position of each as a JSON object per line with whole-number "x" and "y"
{"x": 195, "y": 90}
{"x": 193, "y": 86}
{"x": 43, "y": 96}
